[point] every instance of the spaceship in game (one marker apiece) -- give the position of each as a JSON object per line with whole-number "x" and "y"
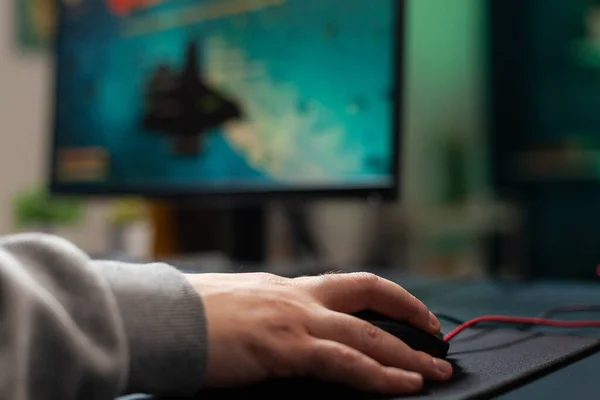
{"x": 181, "y": 105}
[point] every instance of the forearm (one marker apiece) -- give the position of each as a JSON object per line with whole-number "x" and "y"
{"x": 77, "y": 329}
{"x": 63, "y": 335}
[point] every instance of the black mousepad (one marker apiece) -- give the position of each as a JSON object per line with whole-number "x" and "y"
{"x": 487, "y": 363}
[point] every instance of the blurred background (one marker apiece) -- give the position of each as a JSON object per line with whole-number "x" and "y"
{"x": 497, "y": 151}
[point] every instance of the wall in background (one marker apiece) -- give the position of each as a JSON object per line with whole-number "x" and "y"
{"x": 25, "y": 85}
{"x": 445, "y": 91}
{"x": 445, "y": 96}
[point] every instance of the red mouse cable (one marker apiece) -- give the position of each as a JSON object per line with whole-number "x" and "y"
{"x": 520, "y": 320}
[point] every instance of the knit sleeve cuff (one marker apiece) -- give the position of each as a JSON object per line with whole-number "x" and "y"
{"x": 165, "y": 324}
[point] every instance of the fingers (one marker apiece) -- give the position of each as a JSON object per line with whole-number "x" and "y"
{"x": 349, "y": 293}
{"x": 335, "y": 362}
{"x": 378, "y": 345}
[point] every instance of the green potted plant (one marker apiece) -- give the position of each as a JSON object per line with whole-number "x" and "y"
{"x": 36, "y": 209}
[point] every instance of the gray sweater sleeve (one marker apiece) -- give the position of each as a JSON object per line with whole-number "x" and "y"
{"x": 72, "y": 328}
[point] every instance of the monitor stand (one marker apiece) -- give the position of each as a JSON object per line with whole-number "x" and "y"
{"x": 240, "y": 233}
{"x": 237, "y": 231}
{"x": 248, "y": 241}
{"x": 308, "y": 256}
{"x": 248, "y": 234}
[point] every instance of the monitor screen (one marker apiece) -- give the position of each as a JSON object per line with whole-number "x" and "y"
{"x": 226, "y": 97}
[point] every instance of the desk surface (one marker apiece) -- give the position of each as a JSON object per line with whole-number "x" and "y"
{"x": 467, "y": 300}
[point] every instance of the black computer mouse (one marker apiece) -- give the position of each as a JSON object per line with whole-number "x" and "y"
{"x": 419, "y": 340}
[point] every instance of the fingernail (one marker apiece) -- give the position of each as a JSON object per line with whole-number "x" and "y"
{"x": 435, "y": 323}
{"x": 443, "y": 368}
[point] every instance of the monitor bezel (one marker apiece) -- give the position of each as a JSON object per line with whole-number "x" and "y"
{"x": 381, "y": 192}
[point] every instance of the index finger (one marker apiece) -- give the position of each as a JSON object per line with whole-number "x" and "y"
{"x": 350, "y": 293}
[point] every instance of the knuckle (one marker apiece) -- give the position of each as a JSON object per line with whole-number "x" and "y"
{"x": 268, "y": 277}
{"x": 345, "y": 356}
{"x": 366, "y": 280}
{"x": 416, "y": 303}
{"x": 413, "y": 303}
{"x": 370, "y": 333}
{"x": 327, "y": 277}
{"x": 263, "y": 276}
{"x": 422, "y": 361}
{"x": 382, "y": 381}
{"x": 367, "y": 284}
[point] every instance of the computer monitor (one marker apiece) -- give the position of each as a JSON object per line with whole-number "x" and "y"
{"x": 227, "y": 97}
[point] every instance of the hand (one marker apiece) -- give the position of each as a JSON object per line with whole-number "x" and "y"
{"x": 263, "y": 326}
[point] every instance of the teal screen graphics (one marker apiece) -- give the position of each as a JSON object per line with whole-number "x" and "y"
{"x": 225, "y": 95}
